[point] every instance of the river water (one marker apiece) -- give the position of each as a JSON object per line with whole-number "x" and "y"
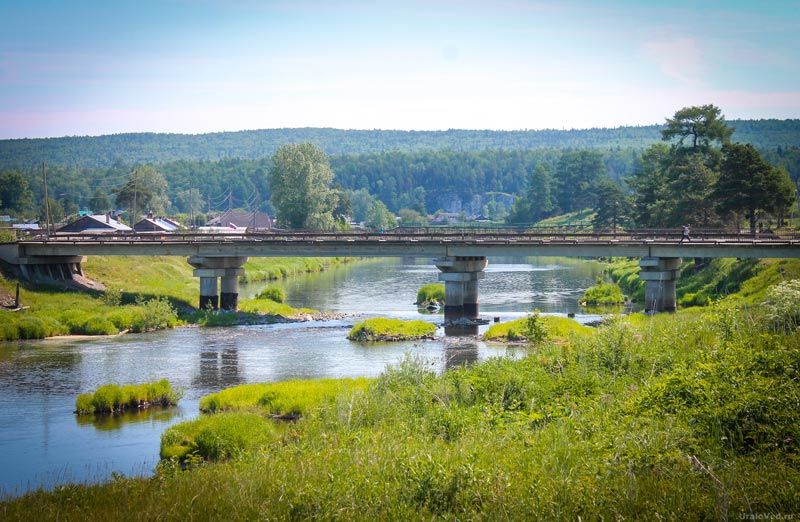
{"x": 44, "y": 444}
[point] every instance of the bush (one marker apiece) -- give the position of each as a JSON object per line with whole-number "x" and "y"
{"x": 155, "y": 314}
{"x": 430, "y": 293}
{"x": 783, "y": 306}
{"x": 273, "y": 293}
{"x": 112, "y": 297}
{"x": 603, "y": 294}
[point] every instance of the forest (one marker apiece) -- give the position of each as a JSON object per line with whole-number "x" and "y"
{"x": 546, "y": 172}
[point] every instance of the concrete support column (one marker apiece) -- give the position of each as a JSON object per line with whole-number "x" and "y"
{"x": 461, "y": 276}
{"x": 208, "y": 293}
{"x": 209, "y": 269}
{"x": 229, "y": 298}
{"x": 659, "y": 275}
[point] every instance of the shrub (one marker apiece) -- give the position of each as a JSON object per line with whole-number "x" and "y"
{"x": 783, "y": 306}
{"x": 112, "y": 296}
{"x": 603, "y": 294}
{"x": 273, "y": 293}
{"x": 430, "y": 293}
{"x": 155, "y": 314}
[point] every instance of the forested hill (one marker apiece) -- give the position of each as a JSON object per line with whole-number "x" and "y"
{"x": 104, "y": 151}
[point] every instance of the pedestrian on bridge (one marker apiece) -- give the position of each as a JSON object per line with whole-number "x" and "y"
{"x": 686, "y": 230}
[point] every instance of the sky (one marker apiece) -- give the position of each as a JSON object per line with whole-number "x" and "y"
{"x": 192, "y": 66}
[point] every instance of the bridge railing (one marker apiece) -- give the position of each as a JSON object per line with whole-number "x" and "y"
{"x": 421, "y": 234}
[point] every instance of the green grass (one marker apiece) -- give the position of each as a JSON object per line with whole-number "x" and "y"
{"x": 561, "y": 328}
{"x": 217, "y": 437}
{"x": 603, "y": 294}
{"x": 431, "y": 293}
{"x": 581, "y": 219}
{"x": 113, "y": 398}
{"x": 269, "y": 307}
{"x": 384, "y": 329}
{"x": 743, "y": 279}
{"x": 286, "y": 398}
{"x": 682, "y": 416}
{"x": 273, "y": 293}
{"x": 272, "y": 269}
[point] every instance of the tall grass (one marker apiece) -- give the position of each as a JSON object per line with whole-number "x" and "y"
{"x": 272, "y": 269}
{"x": 680, "y": 416}
{"x": 430, "y": 293}
{"x": 113, "y": 398}
{"x": 602, "y": 294}
{"x": 295, "y": 397}
{"x": 558, "y": 328}
{"x": 384, "y": 329}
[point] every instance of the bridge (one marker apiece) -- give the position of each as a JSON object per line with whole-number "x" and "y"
{"x": 460, "y": 254}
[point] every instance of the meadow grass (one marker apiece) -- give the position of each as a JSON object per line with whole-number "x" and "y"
{"x": 274, "y": 268}
{"x": 270, "y": 307}
{"x": 747, "y": 280}
{"x": 273, "y": 293}
{"x": 285, "y": 398}
{"x": 602, "y": 294}
{"x": 113, "y": 398}
{"x": 555, "y": 327}
{"x": 430, "y": 293}
{"x": 217, "y": 437}
{"x": 679, "y": 416}
{"x": 385, "y": 329}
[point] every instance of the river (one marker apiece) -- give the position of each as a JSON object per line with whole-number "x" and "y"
{"x": 43, "y": 444}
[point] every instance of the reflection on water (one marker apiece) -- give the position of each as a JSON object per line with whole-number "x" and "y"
{"x": 42, "y": 443}
{"x": 105, "y": 422}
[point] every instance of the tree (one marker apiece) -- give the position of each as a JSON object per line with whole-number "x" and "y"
{"x": 56, "y": 211}
{"x": 703, "y": 124}
{"x": 577, "y": 174}
{"x": 411, "y": 218}
{"x": 300, "y": 184}
{"x": 15, "y": 194}
{"x": 650, "y": 186}
{"x": 613, "y": 206}
{"x": 145, "y": 189}
{"x": 99, "y": 202}
{"x": 379, "y": 217}
{"x": 748, "y": 182}
{"x": 690, "y": 186}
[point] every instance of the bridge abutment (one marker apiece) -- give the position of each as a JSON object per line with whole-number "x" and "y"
{"x": 212, "y": 269}
{"x": 659, "y": 275}
{"x": 460, "y": 276}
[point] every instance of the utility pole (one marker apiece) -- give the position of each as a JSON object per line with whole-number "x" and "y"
{"x": 46, "y": 199}
{"x": 133, "y": 215}
{"x": 230, "y": 199}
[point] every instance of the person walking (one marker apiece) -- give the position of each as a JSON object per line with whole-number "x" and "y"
{"x": 686, "y": 230}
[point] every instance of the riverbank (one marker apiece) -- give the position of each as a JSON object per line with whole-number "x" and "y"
{"x": 675, "y": 416}
{"x": 745, "y": 280}
{"x": 143, "y": 294}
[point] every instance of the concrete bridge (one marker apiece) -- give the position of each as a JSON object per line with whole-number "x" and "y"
{"x": 460, "y": 255}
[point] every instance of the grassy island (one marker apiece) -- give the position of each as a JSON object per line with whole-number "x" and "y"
{"x": 554, "y": 327}
{"x": 603, "y": 294}
{"x": 384, "y": 329}
{"x": 432, "y": 293}
{"x": 691, "y": 415}
{"x": 112, "y": 398}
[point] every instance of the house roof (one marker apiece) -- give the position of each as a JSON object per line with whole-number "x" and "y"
{"x": 241, "y": 220}
{"x": 167, "y": 225}
{"x": 95, "y": 223}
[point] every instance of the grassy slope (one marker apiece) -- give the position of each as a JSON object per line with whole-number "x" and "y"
{"x": 53, "y": 311}
{"x": 682, "y": 416}
{"x": 580, "y": 218}
{"x": 745, "y": 279}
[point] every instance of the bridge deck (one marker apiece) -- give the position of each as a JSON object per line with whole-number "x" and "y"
{"x": 417, "y": 243}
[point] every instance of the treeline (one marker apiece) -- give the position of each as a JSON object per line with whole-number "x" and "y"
{"x": 138, "y": 148}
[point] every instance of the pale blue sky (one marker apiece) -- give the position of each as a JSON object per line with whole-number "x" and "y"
{"x": 98, "y": 67}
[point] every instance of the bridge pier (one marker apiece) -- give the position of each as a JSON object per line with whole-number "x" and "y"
{"x": 659, "y": 275}
{"x": 209, "y": 270}
{"x": 460, "y": 276}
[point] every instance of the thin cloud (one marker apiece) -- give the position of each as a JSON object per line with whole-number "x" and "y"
{"x": 681, "y": 59}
